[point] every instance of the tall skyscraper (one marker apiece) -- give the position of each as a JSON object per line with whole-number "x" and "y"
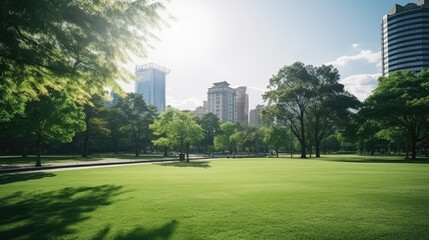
{"x": 151, "y": 84}
{"x": 254, "y": 118}
{"x": 221, "y": 101}
{"x": 242, "y": 104}
{"x": 405, "y": 38}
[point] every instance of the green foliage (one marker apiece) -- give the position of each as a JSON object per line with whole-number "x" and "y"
{"x": 222, "y": 139}
{"x": 95, "y": 121}
{"x": 116, "y": 119}
{"x": 210, "y": 125}
{"x": 276, "y": 137}
{"x": 237, "y": 140}
{"x": 402, "y": 101}
{"x": 253, "y": 138}
{"x": 330, "y": 144}
{"x": 331, "y": 104}
{"x": 51, "y": 118}
{"x": 54, "y": 118}
{"x": 176, "y": 128}
{"x": 138, "y": 117}
{"x": 310, "y": 99}
{"x": 79, "y": 44}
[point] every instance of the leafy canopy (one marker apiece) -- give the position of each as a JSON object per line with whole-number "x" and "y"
{"x": 79, "y": 44}
{"x": 176, "y": 128}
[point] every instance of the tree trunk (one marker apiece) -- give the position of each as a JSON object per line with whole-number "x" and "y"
{"x": 115, "y": 145}
{"x": 165, "y": 151}
{"x": 406, "y": 150}
{"x": 187, "y": 153}
{"x": 317, "y": 147}
{"x": 277, "y": 152}
{"x": 302, "y": 140}
{"x": 413, "y": 147}
{"x": 24, "y": 153}
{"x": 39, "y": 151}
{"x": 144, "y": 147}
{"x": 137, "y": 148}
{"x": 291, "y": 142}
{"x": 181, "y": 150}
{"x": 85, "y": 144}
{"x": 399, "y": 150}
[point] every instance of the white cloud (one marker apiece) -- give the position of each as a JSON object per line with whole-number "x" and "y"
{"x": 185, "y": 104}
{"x": 355, "y": 45}
{"x": 361, "y": 85}
{"x": 368, "y": 55}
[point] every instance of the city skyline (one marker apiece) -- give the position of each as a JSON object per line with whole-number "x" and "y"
{"x": 246, "y": 42}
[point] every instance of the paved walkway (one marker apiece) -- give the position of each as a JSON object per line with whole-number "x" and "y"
{"x": 21, "y": 168}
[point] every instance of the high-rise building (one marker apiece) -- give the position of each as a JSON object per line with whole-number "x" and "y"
{"x": 151, "y": 84}
{"x": 254, "y": 118}
{"x": 405, "y": 38}
{"x": 242, "y": 104}
{"x": 221, "y": 101}
{"x": 201, "y": 110}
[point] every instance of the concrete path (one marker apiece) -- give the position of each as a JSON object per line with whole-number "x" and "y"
{"x": 106, "y": 162}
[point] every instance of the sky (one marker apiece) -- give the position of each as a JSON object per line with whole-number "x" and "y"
{"x": 246, "y": 42}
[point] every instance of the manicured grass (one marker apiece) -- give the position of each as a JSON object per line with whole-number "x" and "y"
{"x": 338, "y": 197}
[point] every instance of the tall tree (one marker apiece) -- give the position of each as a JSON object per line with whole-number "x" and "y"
{"x": 222, "y": 139}
{"x": 95, "y": 121}
{"x": 276, "y": 137}
{"x": 210, "y": 125}
{"x": 402, "y": 100}
{"x": 237, "y": 141}
{"x": 178, "y": 128}
{"x": 253, "y": 138}
{"x": 289, "y": 95}
{"x": 51, "y": 118}
{"x": 77, "y": 43}
{"x": 329, "y": 104}
{"x": 116, "y": 119}
{"x": 138, "y": 116}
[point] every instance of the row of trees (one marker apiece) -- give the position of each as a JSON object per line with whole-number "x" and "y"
{"x": 311, "y": 101}
{"x": 397, "y": 113}
{"x": 54, "y": 118}
{"x": 57, "y": 56}
{"x": 379, "y": 123}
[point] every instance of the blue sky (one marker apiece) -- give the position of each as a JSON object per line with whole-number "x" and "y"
{"x": 245, "y": 42}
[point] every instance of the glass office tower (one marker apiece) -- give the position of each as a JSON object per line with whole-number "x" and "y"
{"x": 151, "y": 84}
{"x": 405, "y": 38}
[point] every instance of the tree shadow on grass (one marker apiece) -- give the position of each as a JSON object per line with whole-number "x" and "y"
{"x": 49, "y": 215}
{"x": 188, "y": 164}
{"x": 163, "y": 232}
{"x": 379, "y": 160}
{"x": 6, "y": 179}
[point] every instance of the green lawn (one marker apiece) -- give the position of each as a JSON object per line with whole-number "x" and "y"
{"x": 340, "y": 197}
